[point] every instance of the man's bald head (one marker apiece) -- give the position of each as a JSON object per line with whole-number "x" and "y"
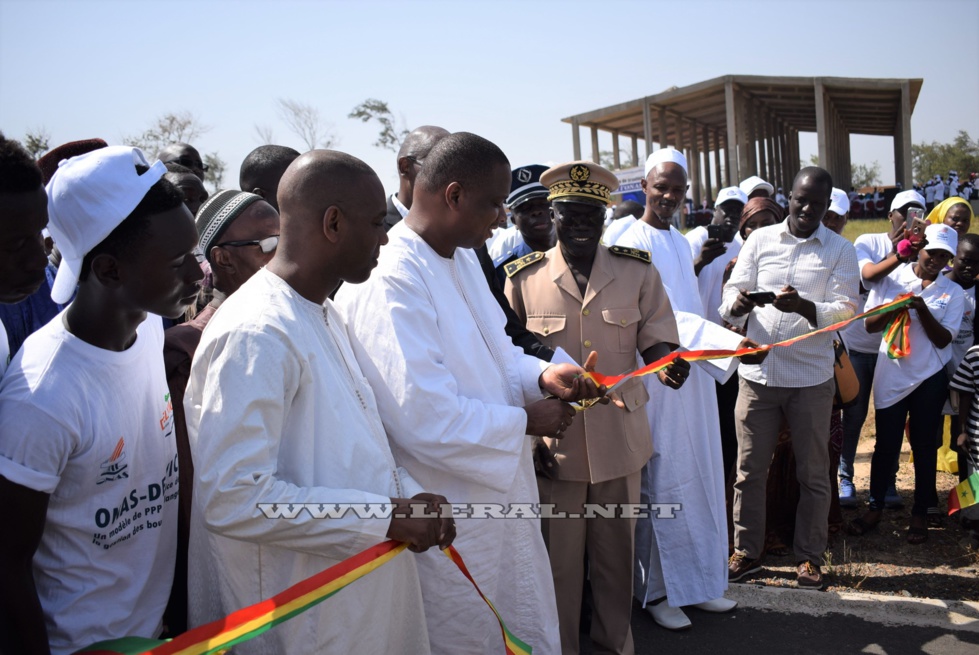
{"x": 320, "y": 179}
{"x": 420, "y": 141}
{"x": 331, "y": 226}
{"x": 460, "y": 193}
{"x": 185, "y": 155}
{"x": 461, "y": 157}
{"x": 414, "y": 150}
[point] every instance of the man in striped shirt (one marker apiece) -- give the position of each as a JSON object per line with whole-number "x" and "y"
{"x": 812, "y": 273}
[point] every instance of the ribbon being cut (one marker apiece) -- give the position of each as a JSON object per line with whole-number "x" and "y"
{"x": 218, "y": 636}
{"x": 895, "y": 335}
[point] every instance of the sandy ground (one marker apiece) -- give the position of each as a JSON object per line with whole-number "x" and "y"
{"x": 946, "y": 566}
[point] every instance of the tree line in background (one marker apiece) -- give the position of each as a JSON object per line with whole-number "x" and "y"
{"x": 302, "y": 119}
{"x": 306, "y": 122}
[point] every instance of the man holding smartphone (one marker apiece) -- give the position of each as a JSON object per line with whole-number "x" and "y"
{"x": 714, "y": 246}
{"x": 813, "y": 272}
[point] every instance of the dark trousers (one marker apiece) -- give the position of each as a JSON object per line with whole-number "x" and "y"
{"x": 727, "y": 399}
{"x": 922, "y": 409}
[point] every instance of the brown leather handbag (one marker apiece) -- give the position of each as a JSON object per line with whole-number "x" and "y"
{"x": 847, "y": 384}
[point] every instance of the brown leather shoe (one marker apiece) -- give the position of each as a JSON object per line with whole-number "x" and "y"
{"x": 741, "y": 565}
{"x": 808, "y": 576}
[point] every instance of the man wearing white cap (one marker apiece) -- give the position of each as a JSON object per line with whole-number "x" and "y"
{"x": 680, "y": 561}
{"x": 87, "y": 448}
{"x": 877, "y": 257}
{"x": 712, "y": 254}
{"x": 839, "y": 211}
{"x": 755, "y": 187}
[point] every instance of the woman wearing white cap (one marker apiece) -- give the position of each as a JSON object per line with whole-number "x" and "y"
{"x": 913, "y": 388}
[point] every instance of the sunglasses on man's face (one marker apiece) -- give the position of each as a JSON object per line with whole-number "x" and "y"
{"x": 268, "y": 244}
{"x": 188, "y": 162}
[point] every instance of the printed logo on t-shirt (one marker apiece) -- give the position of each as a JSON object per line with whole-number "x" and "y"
{"x": 115, "y": 467}
{"x": 166, "y": 420}
{"x": 942, "y": 301}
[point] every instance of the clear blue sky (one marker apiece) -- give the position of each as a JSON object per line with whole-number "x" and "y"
{"x": 506, "y": 70}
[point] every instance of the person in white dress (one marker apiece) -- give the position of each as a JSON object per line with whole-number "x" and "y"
{"x": 280, "y": 417}
{"x": 682, "y": 560}
{"x": 458, "y": 399}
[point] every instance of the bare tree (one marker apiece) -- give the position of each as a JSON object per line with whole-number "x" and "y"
{"x": 36, "y": 141}
{"x": 215, "y": 170}
{"x": 264, "y": 133}
{"x": 607, "y": 159}
{"x": 391, "y": 135}
{"x": 179, "y": 127}
{"x": 305, "y": 121}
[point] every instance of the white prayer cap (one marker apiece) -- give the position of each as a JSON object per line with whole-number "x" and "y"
{"x": 731, "y": 193}
{"x": 754, "y": 183}
{"x": 909, "y": 197}
{"x": 839, "y": 202}
{"x": 664, "y": 156}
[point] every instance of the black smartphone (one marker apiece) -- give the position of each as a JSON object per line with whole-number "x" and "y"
{"x": 720, "y": 232}
{"x": 761, "y": 297}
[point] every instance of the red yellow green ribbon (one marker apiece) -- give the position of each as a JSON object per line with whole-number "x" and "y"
{"x": 902, "y": 346}
{"x": 896, "y": 335}
{"x": 247, "y": 623}
{"x": 513, "y": 645}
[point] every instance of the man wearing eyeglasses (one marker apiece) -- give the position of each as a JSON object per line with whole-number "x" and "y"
{"x": 582, "y": 296}
{"x": 185, "y": 155}
{"x": 238, "y": 234}
{"x": 414, "y": 149}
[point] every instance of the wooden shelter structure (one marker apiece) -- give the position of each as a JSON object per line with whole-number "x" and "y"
{"x": 750, "y": 125}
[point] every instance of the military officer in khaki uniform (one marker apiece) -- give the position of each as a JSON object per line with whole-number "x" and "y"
{"x": 583, "y": 296}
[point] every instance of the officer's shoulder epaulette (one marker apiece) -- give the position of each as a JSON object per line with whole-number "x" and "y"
{"x": 517, "y": 265}
{"x": 635, "y": 253}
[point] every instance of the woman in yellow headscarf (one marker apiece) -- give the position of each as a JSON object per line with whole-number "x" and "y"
{"x": 955, "y": 212}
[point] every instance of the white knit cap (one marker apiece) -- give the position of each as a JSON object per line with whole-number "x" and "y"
{"x": 666, "y": 155}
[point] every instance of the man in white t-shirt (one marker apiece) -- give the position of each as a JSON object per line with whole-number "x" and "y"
{"x": 87, "y": 451}
{"x": 876, "y": 258}
{"x": 23, "y": 214}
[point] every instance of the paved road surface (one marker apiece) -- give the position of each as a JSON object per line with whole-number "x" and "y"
{"x": 757, "y": 632}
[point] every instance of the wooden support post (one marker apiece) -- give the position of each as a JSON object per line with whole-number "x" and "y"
{"x": 731, "y": 137}
{"x": 822, "y": 125}
{"x": 647, "y": 127}
{"x": 662, "y": 128}
{"x": 904, "y": 174}
{"x": 772, "y": 167}
{"x": 695, "y": 169}
{"x": 762, "y": 140}
{"x": 705, "y": 141}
